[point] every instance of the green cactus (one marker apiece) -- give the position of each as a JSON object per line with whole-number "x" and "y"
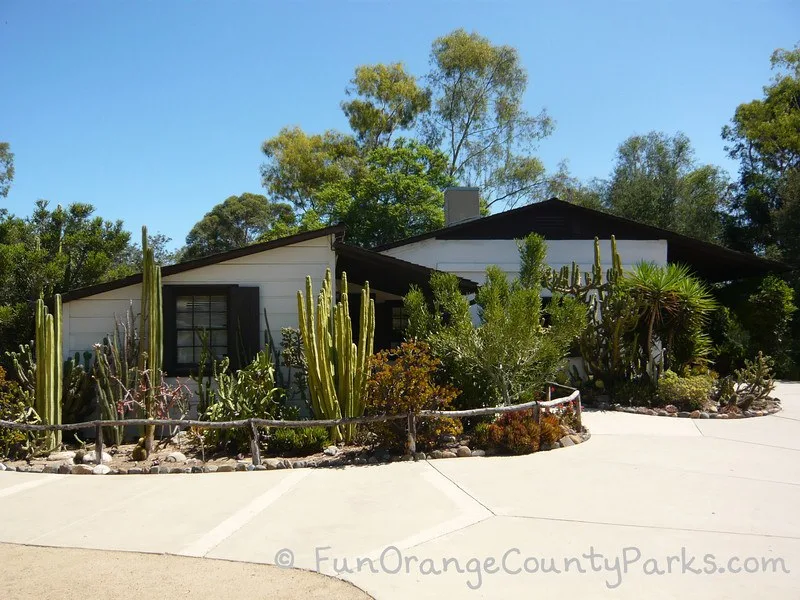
{"x": 337, "y": 367}
{"x": 151, "y": 332}
{"x": 116, "y": 368}
{"x": 608, "y": 344}
{"x": 49, "y": 367}
{"x": 77, "y": 388}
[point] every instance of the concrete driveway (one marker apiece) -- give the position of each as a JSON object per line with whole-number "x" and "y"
{"x": 650, "y": 507}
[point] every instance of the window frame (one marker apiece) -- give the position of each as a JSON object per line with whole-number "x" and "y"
{"x": 173, "y": 292}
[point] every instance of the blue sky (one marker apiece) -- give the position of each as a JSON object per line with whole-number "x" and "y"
{"x": 155, "y": 111}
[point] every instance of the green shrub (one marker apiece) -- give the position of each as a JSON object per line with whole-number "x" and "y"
{"x": 768, "y": 316}
{"x": 13, "y": 407}
{"x": 634, "y": 393}
{"x": 247, "y": 393}
{"x": 303, "y": 441}
{"x": 515, "y": 433}
{"x": 686, "y": 393}
{"x": 517, "y": 345}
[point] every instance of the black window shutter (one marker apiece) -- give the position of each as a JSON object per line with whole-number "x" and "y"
{"x": 244, "y": 322}
{"x": 170, "y": 326}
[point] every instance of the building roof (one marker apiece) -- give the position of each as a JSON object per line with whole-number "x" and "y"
{"x": 555, "y": 219}
{"x": 205, "y": 261}
{"x": 384, "y": 273}
{"x": 387, "y": 273}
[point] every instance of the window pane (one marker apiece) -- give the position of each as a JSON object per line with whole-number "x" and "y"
{"x": 185, "y": 356}
{"x": 183, "y": 320}
{"x": 218, "y": 304}
{"x": 185, "y": 339}
{"x": 218, "y": 320}
{"x": 219, "y": 338}
{"x": 219, "y": 351}
{"x": 200, "y": 303}
{"x": 184, "y": 304}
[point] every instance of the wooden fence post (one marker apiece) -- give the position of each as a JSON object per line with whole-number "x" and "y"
{"x": 98, "y": 444}
{"x": 254, "y": 449}
{"x": 412, "y": 433}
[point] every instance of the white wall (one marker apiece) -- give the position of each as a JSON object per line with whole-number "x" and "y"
{"x": 279, "y": 273}
{"x": 469, "y": 258}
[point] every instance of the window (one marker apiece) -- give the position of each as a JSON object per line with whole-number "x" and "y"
{"x": 198, "y": 316}
{"x": 229, "y": 315}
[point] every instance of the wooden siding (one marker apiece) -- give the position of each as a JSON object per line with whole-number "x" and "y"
{"x": 278, "y": 273}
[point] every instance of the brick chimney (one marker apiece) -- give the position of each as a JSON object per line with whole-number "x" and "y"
{"x": 461, "y": 204}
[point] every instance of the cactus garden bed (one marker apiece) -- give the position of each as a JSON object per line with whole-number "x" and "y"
{"x": 182, "y": 456}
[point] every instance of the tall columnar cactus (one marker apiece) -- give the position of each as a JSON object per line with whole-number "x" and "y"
{"x": 151, "y": 332}
{"x": 608, "y": 344}
{"x": 337, "y": 367}
{"x": 49, "y": 367}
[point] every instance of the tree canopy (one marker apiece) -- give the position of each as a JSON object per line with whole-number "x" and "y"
{"x": 6, "y": 168}
{"x": 239, "y": 221}
{"x": 764, "y": 136}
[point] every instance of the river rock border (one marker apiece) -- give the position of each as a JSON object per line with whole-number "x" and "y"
{"x": 333, "y": 458}
{"x": 672, "y": 411}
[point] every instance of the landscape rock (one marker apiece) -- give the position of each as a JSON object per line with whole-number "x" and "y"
{"x": 447, "y": 439}
{"x": 436, "y": 454}
{"x": 272, "y": 463}
{"x": 287, "y": 464}
{"x": 331, "y": 451}
{"x": 51, "y": 468}
{"x": 299, "y": 464}
{"x": 82, "y": 470}
{"x": 60, "y": 456}
{"x": 575, "y": 438}
{"x": 153, "y": 470}
{"x": 259, "y": 468}
{"x": 479, "y": 453}
{"x": 712, "y": 409}
{"x": 210, "y": 469}
{"x": 135, "y": 471}
{"x": 671, "y": 408}
{"x": 695, "y": 414}
{"x": 419, "y": 456}
{"x": 463, "y": 452}
{"x": 722, "y": 416}
{"x": 684, "y": 414}
{"x": 101, "y": 470}
{"x": 225, "y": 469}
{"x": 163, "y": 470}
{"x": 448, "y": 454}
{"x": 2, "y": 467}
{"x": 176, "y": 457}
{"x": 374, "y": 461}
{"x": 251, "y": 467}
{"x": 704, "y": 415}
{"x": 566, "y": 441}
{"x": 89, "y": 458}
{"x": 64, "y": 469}
{"x": 240, "y": 466}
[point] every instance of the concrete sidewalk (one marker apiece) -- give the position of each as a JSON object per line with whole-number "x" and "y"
{"x": 653, "y": 490}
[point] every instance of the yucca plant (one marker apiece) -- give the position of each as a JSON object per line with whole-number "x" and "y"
{"x": 673, "y": 308}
